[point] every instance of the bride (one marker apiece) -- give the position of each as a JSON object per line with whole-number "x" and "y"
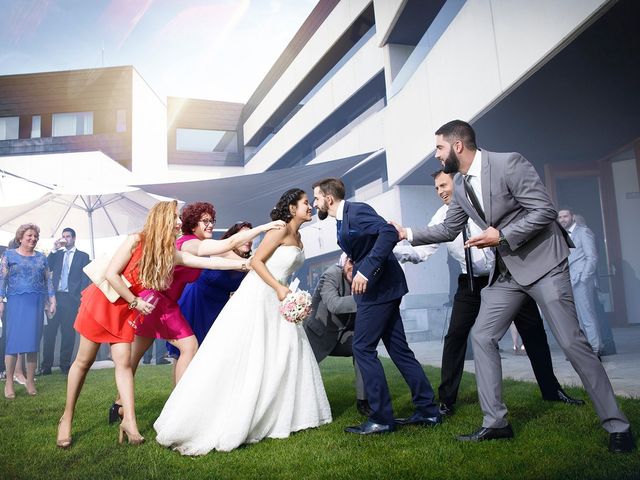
{"x": 255, "y": 375}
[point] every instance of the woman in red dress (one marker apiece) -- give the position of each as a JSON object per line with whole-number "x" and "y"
{"x": 166, "y": 321}
{"x": 147, "y": 260}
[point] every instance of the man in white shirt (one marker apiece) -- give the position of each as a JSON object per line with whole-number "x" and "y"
{"x": 503, "y": 194}
{"x": 69, "y": 280}
{"x": 466, "y": 305}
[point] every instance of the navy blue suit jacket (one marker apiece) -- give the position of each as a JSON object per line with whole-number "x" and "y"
{"x": 368, "y": 240}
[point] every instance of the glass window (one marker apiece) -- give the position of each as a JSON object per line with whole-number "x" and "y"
{"x": 36, "y": 123}
{"x": 193, "y": 140}
{"x": 121, "y": 121}
{"x": 9, "y": 128}
{"x": 68, "y": 124}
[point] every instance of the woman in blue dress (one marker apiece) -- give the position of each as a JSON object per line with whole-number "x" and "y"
{"x": 26, "y": 283}
{"x": 204, "y": 299}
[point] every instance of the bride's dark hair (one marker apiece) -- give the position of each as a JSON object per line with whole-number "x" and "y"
{"x": 281, "y": 210}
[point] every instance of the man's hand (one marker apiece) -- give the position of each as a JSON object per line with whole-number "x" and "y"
{"x": 359, "y": 284}
{"x": 402, "y": 232}
{"x": 489, "y": 238}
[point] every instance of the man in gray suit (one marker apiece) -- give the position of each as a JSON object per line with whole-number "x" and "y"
{"x": 503, "y": 194}
{"x": 583, "y": 261}
{"x": 330, "y": 326}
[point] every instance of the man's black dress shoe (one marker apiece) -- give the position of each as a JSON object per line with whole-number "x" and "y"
{"x": 487, "y": 434}
{"x": 44, "y": 371}
{"x": 163, "y": 361}
{"x": 446, "y": 409}
{"x": 562, "y": 396}
{"x": 370, "y": 428}
{"x": 621, "y": 442}
{"x": 363, "y": 407}
{"x": 420, "y": 419}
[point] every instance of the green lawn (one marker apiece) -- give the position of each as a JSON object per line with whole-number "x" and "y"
{"x": 552, "y": 440}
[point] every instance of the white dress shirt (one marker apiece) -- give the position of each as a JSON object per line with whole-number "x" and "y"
{"x": 475, "y": 176}
{"x": 481, "y": 258}
{"x": 72, "y": 252}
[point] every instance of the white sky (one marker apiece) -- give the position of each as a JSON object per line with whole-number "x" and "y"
{"x": 210, "y": 49}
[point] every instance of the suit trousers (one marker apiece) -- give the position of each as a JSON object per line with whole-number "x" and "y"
{"x": 552, "y": 292}
{"x": 66, "y": 311}
{"x": 466, "y": 306}
{"x": 584, "y": 295}
{"x": 383, "y": 322}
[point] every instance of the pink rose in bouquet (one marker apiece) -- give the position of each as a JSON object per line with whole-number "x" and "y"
{"x": 296, "y": 307}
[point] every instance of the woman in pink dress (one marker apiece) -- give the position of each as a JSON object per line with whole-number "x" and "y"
{"x": 166, "y": 321}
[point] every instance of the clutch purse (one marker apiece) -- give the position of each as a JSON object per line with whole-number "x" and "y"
{"x": 96, "y": 271}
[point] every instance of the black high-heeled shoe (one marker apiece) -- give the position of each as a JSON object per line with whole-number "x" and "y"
{"x": 114, "y": 413}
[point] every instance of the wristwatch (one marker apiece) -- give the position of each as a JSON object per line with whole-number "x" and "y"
{"x": 133, "y": 304}
{"x": 502, "y": 241}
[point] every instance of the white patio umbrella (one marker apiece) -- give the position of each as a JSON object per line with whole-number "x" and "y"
{"x": 91, "y": 212}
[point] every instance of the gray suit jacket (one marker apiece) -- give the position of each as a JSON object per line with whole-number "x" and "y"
{"x": 515, "y": 202}
{"x": 583, "y": 259}
{"x": 333, "y": 312}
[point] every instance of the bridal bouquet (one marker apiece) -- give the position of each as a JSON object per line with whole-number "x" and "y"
{"x": 296, "y": 307}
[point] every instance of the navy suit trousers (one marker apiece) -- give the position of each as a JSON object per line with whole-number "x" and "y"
{"x": 383, "y": 321}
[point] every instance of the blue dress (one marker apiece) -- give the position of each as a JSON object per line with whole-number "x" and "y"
{"x": 204, "y": 299}
{"x": 26, "y": 282}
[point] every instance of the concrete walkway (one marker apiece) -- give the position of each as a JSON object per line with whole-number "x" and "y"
{"x": 623, "y": 368}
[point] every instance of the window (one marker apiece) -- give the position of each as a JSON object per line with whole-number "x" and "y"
{"x": 36, "y": 123}
{"x": 192, "y": 140}
{"x": 121, "y": 121}
{"x": 9, "y": 128}
{"x": 67, "y": 124}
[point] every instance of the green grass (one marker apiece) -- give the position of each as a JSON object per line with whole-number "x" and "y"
{"x": 552, "y": 440}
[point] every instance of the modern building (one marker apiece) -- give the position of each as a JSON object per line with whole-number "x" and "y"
{"x": 367, "y": 82}
{"x": 556, "y": 81}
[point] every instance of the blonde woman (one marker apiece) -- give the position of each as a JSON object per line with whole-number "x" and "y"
{"x": 147, "y": 260}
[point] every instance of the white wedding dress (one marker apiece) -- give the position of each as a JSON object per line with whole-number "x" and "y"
{"x": 254, "y": 376}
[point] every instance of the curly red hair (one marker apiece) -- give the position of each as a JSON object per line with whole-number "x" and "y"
{"x": 192, "y": 213}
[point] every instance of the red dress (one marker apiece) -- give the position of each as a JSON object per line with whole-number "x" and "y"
{"x": 166, "y": 321}
{"x": 101, "y": 321}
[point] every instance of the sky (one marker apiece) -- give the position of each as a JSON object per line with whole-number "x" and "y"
{"x": 209, "y": 49}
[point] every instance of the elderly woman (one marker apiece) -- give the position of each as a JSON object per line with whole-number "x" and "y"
{"x": 25, "y": 281}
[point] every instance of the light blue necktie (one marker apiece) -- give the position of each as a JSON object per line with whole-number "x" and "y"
{"x": 64, "y": 277}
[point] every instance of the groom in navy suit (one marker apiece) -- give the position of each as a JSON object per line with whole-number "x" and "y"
{"x": 378, "y": 287}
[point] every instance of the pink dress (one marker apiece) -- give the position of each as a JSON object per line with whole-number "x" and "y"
{"x": 166, "y": 321}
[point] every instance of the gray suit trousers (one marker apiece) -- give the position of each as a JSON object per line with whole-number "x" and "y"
{"x": 584, "y": 294}
{"x": 552, "y": 292}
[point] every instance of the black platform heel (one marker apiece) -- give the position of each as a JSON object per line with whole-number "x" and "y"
{"x": 114, "y": 413}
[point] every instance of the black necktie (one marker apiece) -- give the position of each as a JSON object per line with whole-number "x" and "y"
{"x": 473, "y": 198}
{"x": 467, "y": 259}
{"x": 502, "y": 268}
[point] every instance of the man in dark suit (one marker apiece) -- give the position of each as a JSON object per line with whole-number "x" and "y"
{"x": 68, "y": 280}
{"x": 378, "y": 286}
{"x": 330, "y": 326}
{"x": 503, "y": 194}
